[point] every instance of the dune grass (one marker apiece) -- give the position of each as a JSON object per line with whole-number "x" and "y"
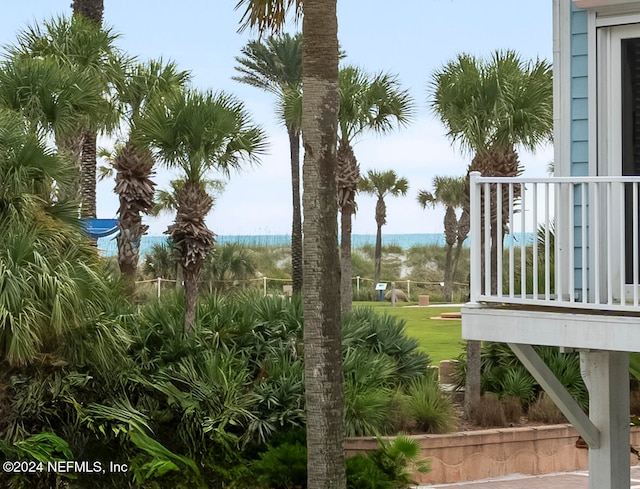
{"x": 441, "y": 339}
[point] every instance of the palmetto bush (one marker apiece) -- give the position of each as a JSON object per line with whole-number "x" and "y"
{"x": 426, "y": 407}
{"x": 503, "y": 374}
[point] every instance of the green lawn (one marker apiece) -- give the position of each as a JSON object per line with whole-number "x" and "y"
{"x": 440, "y": 339}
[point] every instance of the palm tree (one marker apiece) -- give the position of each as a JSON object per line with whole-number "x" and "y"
{"x": 137, "y": 87}
{"x": 275, "y": 66}
{"x": 324, "y": 398}
{"x": 48, "y": 274}
{"x": 197, "y": 132}
{"x": 489, "y": 108}
{"x": 381, "y": 185}
{"x": 366, "y": 103}
{"x": 449, "y": 192}
{"x": 80, "y": 46}
{"x": 91, "y": 10}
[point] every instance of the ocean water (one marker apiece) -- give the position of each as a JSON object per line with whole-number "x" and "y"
{"x": 109, "y": 247}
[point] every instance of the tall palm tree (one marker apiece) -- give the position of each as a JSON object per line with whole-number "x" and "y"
{"x": 78, "y": 45}
{"x": 449, "y": 192}
{"x": 197, "y": 132}
{"x": 138, "y": 86}
{"x": 490, "y": 107}
{"x": 381, "y": 185}
{"x": 275, "y": 66}
{"x": 324, "y": 397}
{"x": 367, "y": 103}
{"x": 91, "y": 10}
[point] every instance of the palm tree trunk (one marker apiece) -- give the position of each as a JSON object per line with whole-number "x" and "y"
{"x": 191, "y": 278}
{"x": 346, "y": 283}
{"x": 447, "y": 292}
{"x": 88, "y": 175}
{"x": 128, "y": 254}
{"x": 92, "y": 10}
{"x": 378, "y": 254}
{"x": 324, "y": 397}
{"x": 472, "y": 380}
{"x": 296, "y": 227}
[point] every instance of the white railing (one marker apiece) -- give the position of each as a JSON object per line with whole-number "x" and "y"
{"x": 564, "y": 241}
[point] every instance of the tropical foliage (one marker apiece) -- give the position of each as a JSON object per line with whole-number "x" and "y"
{"x": 184, "y": 409}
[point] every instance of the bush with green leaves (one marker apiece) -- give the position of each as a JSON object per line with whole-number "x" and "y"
{"x": 504, "y": 375}
{"x": 390, "y": 466}
{"x": 425, "y": 408}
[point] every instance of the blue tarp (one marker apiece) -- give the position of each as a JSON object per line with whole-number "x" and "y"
{"x": 100, "y": 228}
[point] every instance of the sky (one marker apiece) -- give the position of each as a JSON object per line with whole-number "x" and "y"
{"x": 408, "y": 38}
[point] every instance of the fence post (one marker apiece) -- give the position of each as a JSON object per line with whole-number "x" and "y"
{"x": 159, "y": 280}
{"x": 409, "y": 290}
{"x": 264, "y": 280}
{"x": 358, "y": 284}
{"x": 393, "y": 294}
{"x": 475, "y": 201}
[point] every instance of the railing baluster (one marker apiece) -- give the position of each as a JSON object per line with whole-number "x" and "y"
{"x": 499, "y": 243}
{"x": 512, "y": 273}
{"x": 609, "y": 243}
{"x": 475, "y": 202}
{"x": 523, "y": 245}
{"x": 596, "y": 242}
{"x": 547, "y": 263}
{"x": 572, "y": 244}
{"x": 487, "y": 239}
{"x": 622, "y": 244}
{"x": 534, "y": 253}
{"x": 584, "y": 285}
{"x": 558, "y": 285}
{"x": 635, "y": 244}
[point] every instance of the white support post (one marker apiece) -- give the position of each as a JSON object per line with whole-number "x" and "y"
{"x": 358, "y": 284}
{"x": 159, "y": 281}
{"x": 264, "y": 285}
{"x": 393, "y": 294}
{"x": 409, "y": 289}
{"x": 606, "y": 374}
{"x": 474, "y": 217}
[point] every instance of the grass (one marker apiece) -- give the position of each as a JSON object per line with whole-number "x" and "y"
{"x": 441, "y": 339}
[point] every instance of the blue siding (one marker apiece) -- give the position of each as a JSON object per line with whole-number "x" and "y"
{"x": 579, "y": 121}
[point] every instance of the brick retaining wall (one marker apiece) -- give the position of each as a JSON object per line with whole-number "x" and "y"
{"x": 474, "y": 455}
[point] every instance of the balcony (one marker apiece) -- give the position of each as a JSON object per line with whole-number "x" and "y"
{"x": 565, "y": 262}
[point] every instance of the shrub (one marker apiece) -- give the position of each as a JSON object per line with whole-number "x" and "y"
{"x": 364, "y": 473}
{"x": 428, "y": 408}
{"x": 395, "y": 458}
{"x": 512, "y": 409}
{"x": 544, "y": 410}
{"x": 282, "y": 467}
{"x": 488, "y": 411}
{"x": 519, "y": 384}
